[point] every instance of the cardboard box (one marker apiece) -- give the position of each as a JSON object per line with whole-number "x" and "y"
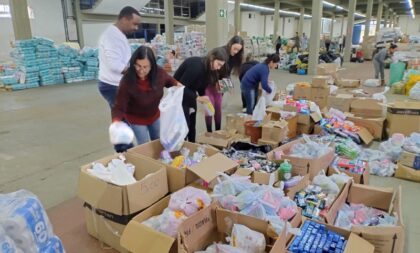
{"x": 403, "y": 117}
{"x": 410, "y": 159}
{"x": 320, "y": 96}
{"x": 265, "y": 178}
{"x": 209, "y": 168}
{"x": 304, "y": 129}
{"x": 219, "y": 139}
{"x": 348, "y": 83}
{"x": 367, "y": 108}
{"x": 151, "y": 186}
{"x": 292, "y": 122}
{"x": 385, "y": 239}
{"x": 374, "y": 125}
{"x": 177, "y": 178}
{"x": 340, "y": 102}
{"x": 357, "y": 178}
{"x": 304, "y": 119}
{"x": 104, "y": 227}
{"x": 213, "y": 224}
{"x": 291, "y": 192}
{"x": 303, "y": 166}
{"x": 320, "y": 81}
{"x": 302, "y": 92}
{"x": 139, "y": 238}
{"x": 318, "y": 129}
{"x": 275, "y": 131}
{"x": 273, "y": 144}
{"x": 236, "y": 122}
{"x": 355, "y": 243}
{"x": 326, "y": 69}
{"x": 406, "y": 172}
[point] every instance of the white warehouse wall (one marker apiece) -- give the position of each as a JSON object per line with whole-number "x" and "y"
{"x": 410, "y": 26}
{"x": 48, "y": 23}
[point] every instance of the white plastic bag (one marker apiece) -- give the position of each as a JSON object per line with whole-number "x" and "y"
{"x": 270, "y": 96}
{"x": 415, "y": 92}
{"x": 120, "y": 133}
{"x": 173, "y": 125}
{"x": 247, "y": 239}
{"x": 381, "y": 96}
{"x": 372, "y": 83}
{"x": 259, "y": 111}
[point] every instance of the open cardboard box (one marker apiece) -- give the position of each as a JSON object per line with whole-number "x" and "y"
{"x": 275, "y": 131}
{"x": 410, "y": 159}
{"x": 406, "y": 172}
{"x": 139, "y": 238}
{"x": 151, "y": 186}
{"x": 403, "y": 117}
{"x": 355, "y": 244}
{"x": 374, "y": 125}
{"x": 367, "y": 108}
{"x": 177, "y": 178}
{"x": 303, "y": 166}
{"x": 320, "y": 96}
{"x": 236, "y": 122}
{"x": 320, "y": 81}
{"x": 218, "y": 139}
{"x": 348, "y": 83}
{"x": 357, "y": 178}
{"x": 340, "y": 102}
{"x": 213, "y": 224}
{"x": 275, "y": 113}
{"x": 385, "y": 239}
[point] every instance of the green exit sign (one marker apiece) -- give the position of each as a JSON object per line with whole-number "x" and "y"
{"x": 222, "y": 13}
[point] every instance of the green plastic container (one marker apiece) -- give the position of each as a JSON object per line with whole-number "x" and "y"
{"x": 285, "y": 170}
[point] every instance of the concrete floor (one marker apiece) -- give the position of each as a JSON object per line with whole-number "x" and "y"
{"x": 47, "y": 133}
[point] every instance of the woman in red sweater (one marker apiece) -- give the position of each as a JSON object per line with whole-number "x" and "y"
{"x": 139, "y": 94}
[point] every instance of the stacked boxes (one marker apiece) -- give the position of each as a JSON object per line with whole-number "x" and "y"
{"x": 27, "y": 64}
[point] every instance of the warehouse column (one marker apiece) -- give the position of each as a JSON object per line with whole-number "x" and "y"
{"x": 386, "y": 17}
{"x": 367, "y": 24}
{"x": 20, "y": 19}
{"x": 217, "y": 23}
{"x": 79, "y": 24}
{"x": 391, "y": 20}
{"x": 314, "y": 40}
{"x": 265, "y": 25}
{"x": 379, "y": 16}
{"x": 169, "y": 21}
{"x": 301, "y": 21}
{"x": 342, "y": 26}
{"x": 158, "y": 31}
{"x": 332, "y": 26}
{"x": 349, "y": 32}
{"x": 237, "y": 16}
{"x": 276, "y": 18}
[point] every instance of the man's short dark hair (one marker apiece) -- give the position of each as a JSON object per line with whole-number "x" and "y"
{"x": 127, "y": 12}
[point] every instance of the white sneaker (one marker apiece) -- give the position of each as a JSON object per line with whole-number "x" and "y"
{"x": 244, "y": 110}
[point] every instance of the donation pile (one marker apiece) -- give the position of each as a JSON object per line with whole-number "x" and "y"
{"x": 183, "y": 160}
{"x": 183, "y": 204}
{"x": 117, "y": 171}
{"x": 251, "y": 159}
{"x": 237, "y": 193}
{"x": 24, "y": 225}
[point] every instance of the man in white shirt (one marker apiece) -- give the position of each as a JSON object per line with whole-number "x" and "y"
{"x": 115, "y": 52}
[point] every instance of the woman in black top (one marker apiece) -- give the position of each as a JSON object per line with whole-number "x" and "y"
{"x": 196, "y": 73}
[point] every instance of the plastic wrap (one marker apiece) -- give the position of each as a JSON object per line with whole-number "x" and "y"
{"x": 259, "y": 111}
{"x": 393, "y": 146}
{"x": 189, "y": 200}
{"x": 415, "y": 92}
{"x": 326, "y": 183}
{"x": 247, "y": 239}
{"x": 120, "y": 133}
{"x": 372, "y": 83}
{"x": 221, "y": 248}
{"x": 117, "y": 171}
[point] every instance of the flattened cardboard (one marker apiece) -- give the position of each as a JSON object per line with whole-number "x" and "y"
{"x": 405, "y": 172}
{"x": 320, "y": 81}
{"x": 104, "y": 230}
{"x": 367, "y": 108}
{"x": 210, "y": 167}
{"x": 365, "y": 135}
{"x": 303, "y": 166}
{"x": 151, "y": 185}
{"x": 220, "y": 139}
{"x": 383, "y": 238}
{"x": 374, "y": 125}
{"x": 410, "y": 159}
{"x": 340, "y": 102}
{"x": 403, "y": 117}
{"x": 139, "y": 238}
{"x": 177, "y": 178}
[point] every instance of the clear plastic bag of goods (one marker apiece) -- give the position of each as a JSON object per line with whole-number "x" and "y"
{"x": 327, "y": 184}
{"x": 221, "y": 248}
{"x": 7, "y": 245}
{"x": 117, "y": 171}
{"x": 120, "y": 133}
{"x": 393, "y": 146}
{"x": 247, "y": 239}
{"x": 381, "y": 96}
{"x": 372, "y": 83}
{"x": 412, "y": 143}
{"x": 168, "y": 222}
{"x": 25, "y": 222}
{"x": 173, "y": 124}
{"x": 415, "y": 92}
{"x": 383, "y": 168}
{"x": 259, "y": 111}
{"x": 290, "y": 88}
{"x": 189, "y": 200}
{"x": 269, "y": 97}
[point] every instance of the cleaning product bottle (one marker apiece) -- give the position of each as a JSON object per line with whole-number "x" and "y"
{"x": 285, "y": 170}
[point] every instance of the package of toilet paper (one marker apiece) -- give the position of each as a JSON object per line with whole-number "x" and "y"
{"x": 25, "y": 222}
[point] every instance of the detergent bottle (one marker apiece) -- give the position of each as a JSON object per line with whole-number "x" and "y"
{"x": 285, "y": 170}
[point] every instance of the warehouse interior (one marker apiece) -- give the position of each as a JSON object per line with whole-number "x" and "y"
{"x": 49, "y": 131}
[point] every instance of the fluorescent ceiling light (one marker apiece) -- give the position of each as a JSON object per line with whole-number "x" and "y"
{"x": 262, "y": 8}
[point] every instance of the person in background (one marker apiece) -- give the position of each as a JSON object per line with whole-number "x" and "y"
{"x": 196, "y": 73}
{"x": 340, "y": 43}
{"x": 327, "y": 41}
{"x": 278, "y": 45}
{"x": 115, "y": 52}
{"x": 248, "y": 64}
{"x": 297, "y": 42}
{"x": 235, "y": 51}
{"x": 304, "y": 42}
{"x": 256, "y": 75}
{"x": 139, "y": 95}
{"x": 379, "y": 61}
